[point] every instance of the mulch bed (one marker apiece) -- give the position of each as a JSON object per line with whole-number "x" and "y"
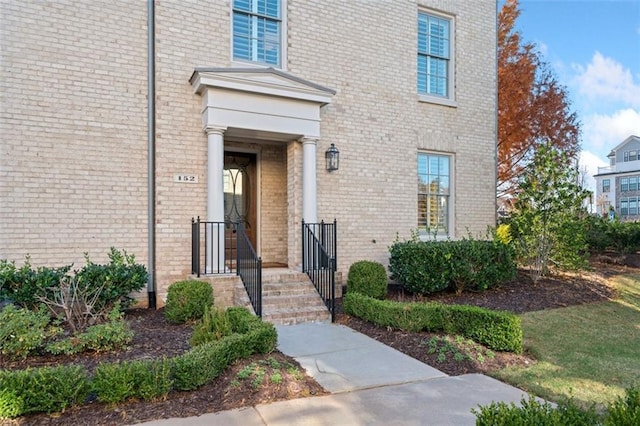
{"x": 155, "y": 337}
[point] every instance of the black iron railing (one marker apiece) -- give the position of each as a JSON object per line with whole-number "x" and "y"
{"x": 319, "y": 257}
{"x": 224, "y": 248}
{"x": 213, "y": 247}
{"x": 249, "y": 268}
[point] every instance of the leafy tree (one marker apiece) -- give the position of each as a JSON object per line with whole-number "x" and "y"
{"x": 548, "y": 225}
{"x": 533, "y": 108}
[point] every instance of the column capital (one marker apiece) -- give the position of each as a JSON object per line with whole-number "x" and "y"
{"x": 309, "y": 140}
{"x": 214, "y": 130}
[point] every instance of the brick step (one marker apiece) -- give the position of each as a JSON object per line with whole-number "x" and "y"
{"x": 288, "y": 297}
{"x": 297, "y": 315}
{"x": 282, "y": 277}
{"x": 287, "y": 289}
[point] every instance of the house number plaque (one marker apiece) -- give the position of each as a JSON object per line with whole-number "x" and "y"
{"x": 184, "y": 178}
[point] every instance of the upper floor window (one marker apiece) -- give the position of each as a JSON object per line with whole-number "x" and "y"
{"x": 630, "y": 155}
{"x": 434, "y": 192}
{"x": 624, "y": 184}
{"x": 633, "y": 183}
{"x": 434, "y": 55}
{"x": 606, "y": 185}
{"x": 257, "y": 31}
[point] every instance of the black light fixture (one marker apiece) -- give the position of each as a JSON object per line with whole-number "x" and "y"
{"x": 333, "y": 158}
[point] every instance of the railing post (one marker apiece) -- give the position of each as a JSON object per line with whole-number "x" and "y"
{"x": 304, "y": 250}
{"x": 334, "y": 254}
{"x": 195, "y": 246}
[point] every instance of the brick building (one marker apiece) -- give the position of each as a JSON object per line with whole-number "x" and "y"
{"x": 232, "y": 119}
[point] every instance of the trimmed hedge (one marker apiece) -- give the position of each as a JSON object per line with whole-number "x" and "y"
{"x": 497, "y": 330}
{"x": 44, "y": 389}
{"x": 53, "y": 389}
{"x": 368, "y": 277}
{"x": 426, "y": 267}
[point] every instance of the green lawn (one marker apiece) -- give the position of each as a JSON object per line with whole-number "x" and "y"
{"x": 590, "y": 352}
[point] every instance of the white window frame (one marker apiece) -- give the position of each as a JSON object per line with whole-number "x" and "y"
{"x": 423, "y": 233}
{"x": 283, "y": 42}
{"x": 607, "y": 187}
{"x": 624, "y": 207}
{"x": 450, "y": 99}
{"x": 624, "y": 184}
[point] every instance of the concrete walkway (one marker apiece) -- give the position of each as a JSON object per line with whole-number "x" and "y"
{"x": 370, "y": 384}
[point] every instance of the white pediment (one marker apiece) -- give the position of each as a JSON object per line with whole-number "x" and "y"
{"x": 265, "y": 81}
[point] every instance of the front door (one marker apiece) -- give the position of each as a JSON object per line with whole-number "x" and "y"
{"x": 240, "y": 196}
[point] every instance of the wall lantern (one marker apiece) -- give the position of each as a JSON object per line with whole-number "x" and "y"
{"x": 333, "y": 158}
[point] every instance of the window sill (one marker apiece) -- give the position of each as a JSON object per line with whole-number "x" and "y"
{"x": 438, "y": 101}
{"x": 430, "y": 237}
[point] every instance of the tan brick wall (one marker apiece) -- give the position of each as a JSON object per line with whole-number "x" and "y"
{"x": 73, "y": 124}
{"x": 378, "y": 124}
{"x": 73, "y": 129}
{"x": 273, "y": 208}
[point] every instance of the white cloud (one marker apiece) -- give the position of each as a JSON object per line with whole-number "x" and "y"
{"x": 589, "y": 163}
{"x": 606, "y": 80}
{"x": 604, "y": 132}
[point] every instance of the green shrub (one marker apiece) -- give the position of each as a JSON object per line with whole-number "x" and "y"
{"x": 534, "y": 412}
{"x": 620, "y": 237}
{"x": 426, "y": 267}
{"x": 214, "y": 325}
{"x": 23, "y": 332}
{"x": 25, "y": 285}
{"x": 368, "y": 278}
{"x": 625, "y": 411}
{"x": 187, "y": 300}
{"x": 496, "y": 330}
{"x": 146, "y": 379}
{"x": 403, "y": 316}
{"x": 119, "y": 278}
{"x": 53, "y": 389}
{"x": 109, "y": 336}
{"x": 205, "y": 362}
{"x": 45, "y": 389}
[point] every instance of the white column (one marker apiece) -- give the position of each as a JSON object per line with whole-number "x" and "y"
{"x": 309, "y": 184}
{"x": 215, "y": 198}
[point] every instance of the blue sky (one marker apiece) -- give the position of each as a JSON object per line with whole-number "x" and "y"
{"x": 593, "y": 47}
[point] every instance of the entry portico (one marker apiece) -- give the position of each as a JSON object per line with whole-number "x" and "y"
{"x": 260, "y": 104}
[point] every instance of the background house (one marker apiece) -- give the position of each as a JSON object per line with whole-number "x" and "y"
{"x": 231, "y": 118}
{"x": 617, "y": 185}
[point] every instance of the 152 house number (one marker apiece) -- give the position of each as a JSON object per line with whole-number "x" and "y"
{"x": 183, "y": 178}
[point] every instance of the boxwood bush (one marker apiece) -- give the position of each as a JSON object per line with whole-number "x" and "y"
{"x": 53, "y": 389}
{"x": 535, "y": 412}
{"x": 623, "y": 412}
{"x": 426, "y": 267}
{"x": 368, "y": 278}
{"x": 44, "y": 389}
{"x": 497, "y": 330}
{"x": 187, "y": 300}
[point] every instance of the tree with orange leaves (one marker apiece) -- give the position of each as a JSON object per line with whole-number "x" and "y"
{"x": 533, "y": 108}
